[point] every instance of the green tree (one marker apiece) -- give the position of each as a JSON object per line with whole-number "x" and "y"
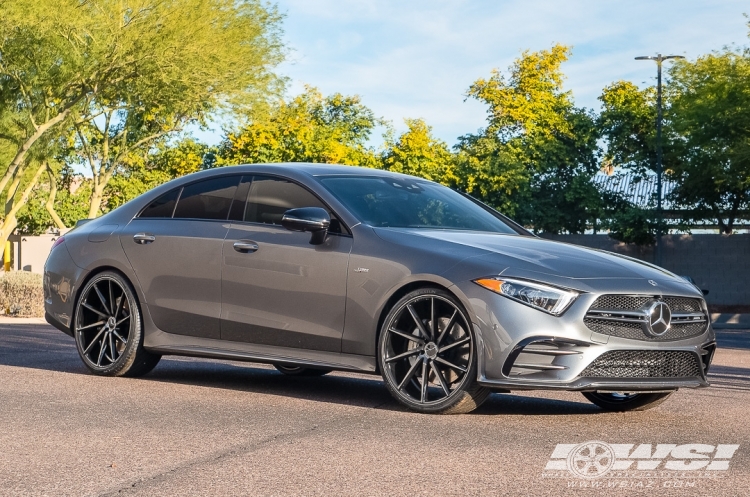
{"x": 418, "y": 153}
{"x": 309, "y": 128}
{"x": 711, "y": 112}
{"x": 70, "y": 193}
{"x": 122, "y": 75}
{"x": 536, "y": 157}
{"x": 205, "y": 57}
{"x": 166, "y": 162}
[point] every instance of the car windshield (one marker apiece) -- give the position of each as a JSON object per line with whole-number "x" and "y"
{"x": 404, "y": 203}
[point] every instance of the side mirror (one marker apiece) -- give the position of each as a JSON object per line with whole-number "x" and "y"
{"x": 313, "y": 219}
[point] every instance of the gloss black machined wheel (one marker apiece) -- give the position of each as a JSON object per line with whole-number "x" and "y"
{"x": 108, "y": 328}
{"x": 427, "y": 354}
{"x": 624, "y": 401}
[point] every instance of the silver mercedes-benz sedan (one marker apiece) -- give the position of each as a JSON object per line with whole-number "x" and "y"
{"x": 314, "y": 268}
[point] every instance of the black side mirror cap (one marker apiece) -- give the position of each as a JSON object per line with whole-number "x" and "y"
{"x": 313, "y": 219}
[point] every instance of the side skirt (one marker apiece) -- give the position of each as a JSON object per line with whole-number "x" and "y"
{"x": 171, "y": 344}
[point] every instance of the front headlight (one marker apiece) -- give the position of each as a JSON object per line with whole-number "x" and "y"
{"x": 543, "y": 297}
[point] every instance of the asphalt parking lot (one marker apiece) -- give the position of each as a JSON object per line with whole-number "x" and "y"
{"x": 202, "y": 427}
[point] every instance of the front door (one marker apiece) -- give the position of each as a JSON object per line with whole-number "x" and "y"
{"x": 286, "y": 292}
{"x": 175, "y": 248}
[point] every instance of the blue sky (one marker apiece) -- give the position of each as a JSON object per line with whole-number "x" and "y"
{"x": 410, "y": 59}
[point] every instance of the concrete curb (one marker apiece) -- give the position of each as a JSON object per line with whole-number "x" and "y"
{"x": 12, "y": 320}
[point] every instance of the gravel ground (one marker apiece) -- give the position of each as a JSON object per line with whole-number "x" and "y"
{"x": 202, "y": 427}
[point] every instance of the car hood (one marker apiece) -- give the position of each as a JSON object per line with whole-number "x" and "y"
{"x": 520, "y": 254}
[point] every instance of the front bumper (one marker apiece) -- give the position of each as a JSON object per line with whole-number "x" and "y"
{"x": 565, "y": 347}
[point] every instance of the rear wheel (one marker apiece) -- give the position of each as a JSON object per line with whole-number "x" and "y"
{"x": 427, "y": 354}
{"x": 622, "y": 401}
{"x": 108, "y": 329}
{"x": 300, "y": 371}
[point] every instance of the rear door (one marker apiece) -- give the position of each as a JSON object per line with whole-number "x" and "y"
{"x": 286, "y": 292}
{"x": 175, "y": 247}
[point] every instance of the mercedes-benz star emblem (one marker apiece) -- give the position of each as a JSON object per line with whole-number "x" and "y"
{"x": 659, "y": 319}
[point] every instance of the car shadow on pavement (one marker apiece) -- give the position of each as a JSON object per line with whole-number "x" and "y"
{"x": 42, "y": 347}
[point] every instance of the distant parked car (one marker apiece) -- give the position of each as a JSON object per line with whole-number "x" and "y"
{"x": 314, "y": 268}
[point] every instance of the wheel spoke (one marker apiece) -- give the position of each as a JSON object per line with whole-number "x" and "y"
{"x": 433, "y": 321}
{"x": 92, "y": 309}
{"x": 450, "y": 364}
{"x": 101, "y": 297}
{"x": 454, "y": 344}
{"x": 112, "y": 348}
{"x": 407, "y": 336}
{"x": 93, "y": 325}
{"x": 408, "y": 353}
{"x": 409, "y": 374}
{"x": 111, "y": 299}
{"x": 120, "y": 302}
{"x": 117, "y": 336}
{"x": 447, "y": 327}
{"x": 102, "y": 348}
{"x": 91, "y": 344}
{"x": 420, "y": 324}
{"x": 440, "y": 378}
{"x": 122, "y": 320}
{"x": 424, "y": 381}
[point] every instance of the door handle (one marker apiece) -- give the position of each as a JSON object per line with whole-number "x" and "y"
{"x": 143, "y": 238}
{"x": 245, "y": 246}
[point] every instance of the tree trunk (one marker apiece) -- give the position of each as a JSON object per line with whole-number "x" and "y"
{"x": 21, "y": 154}
{"x": 10, "y": 222}
{"x": 96, "y": 201}
{"x": 50, "y": 204}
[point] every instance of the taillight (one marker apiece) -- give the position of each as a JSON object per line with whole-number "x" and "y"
{"x": 59, "y": 240}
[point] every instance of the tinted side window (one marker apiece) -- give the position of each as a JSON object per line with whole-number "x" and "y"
{"x": 208, "y": 199}
{"x": 162, "y": 206}
{"x": 269, "y": 198}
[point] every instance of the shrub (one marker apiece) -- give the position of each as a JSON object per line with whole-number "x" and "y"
{"x": 22, "y": 294}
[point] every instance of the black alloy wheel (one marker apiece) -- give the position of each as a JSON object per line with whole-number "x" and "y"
{"x": 624, "y": 401}
{"x": 108, "y": 328}
{"x": 427, "y": 354}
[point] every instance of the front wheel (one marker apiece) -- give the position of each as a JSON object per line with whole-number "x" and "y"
{"x": 427, "y": 354}
{"x": 621, "y": 401}
{"x": 108, "y": 329}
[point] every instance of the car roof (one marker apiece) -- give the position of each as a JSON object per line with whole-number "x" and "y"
{"x": 318, "y": 169}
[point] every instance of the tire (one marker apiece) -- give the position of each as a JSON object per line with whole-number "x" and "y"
{"x": 430, "y": 369}
{"x": 108, "y": 328}
{"x": 616, "y": 402}
{"x": 300, "y": 371}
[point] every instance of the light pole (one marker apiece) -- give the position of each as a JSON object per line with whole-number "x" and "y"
{"x": 659, "y": 58}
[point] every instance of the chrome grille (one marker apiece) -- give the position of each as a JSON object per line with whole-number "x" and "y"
{"x": 688, "y": 318}
{"x": 644, "y": 364}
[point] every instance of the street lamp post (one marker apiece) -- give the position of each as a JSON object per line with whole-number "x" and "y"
{"x": 659, "y": 58}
